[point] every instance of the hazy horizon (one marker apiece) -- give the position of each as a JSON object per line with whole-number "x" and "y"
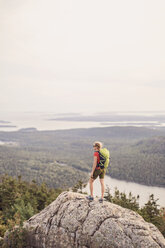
{"x": 82, "y": 56}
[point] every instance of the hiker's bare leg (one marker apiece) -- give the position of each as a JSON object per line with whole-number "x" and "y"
{"x": 102, "y": 188}
{"x": 91, "y": 186}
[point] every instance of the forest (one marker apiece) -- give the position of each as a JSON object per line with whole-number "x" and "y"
{"x": 61, "y": 158}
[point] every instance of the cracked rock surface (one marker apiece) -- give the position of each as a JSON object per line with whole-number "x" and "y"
{"x": 72, "y": 221}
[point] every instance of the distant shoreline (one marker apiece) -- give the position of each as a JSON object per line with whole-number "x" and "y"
{"x": 66, "y": 121}
{"x": 5, "y": 122}
{"x": 8, "y": 126}
{"x": 111, "y": 118}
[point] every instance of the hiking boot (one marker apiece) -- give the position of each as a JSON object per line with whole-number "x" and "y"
{"x": 90, "y": 198}
{"x": 101, "y": 200}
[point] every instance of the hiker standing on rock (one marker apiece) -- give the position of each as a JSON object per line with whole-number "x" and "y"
{"x": 100, "y": 163}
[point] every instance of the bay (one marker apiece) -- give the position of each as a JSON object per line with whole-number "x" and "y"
{"x": 45, "y": 121}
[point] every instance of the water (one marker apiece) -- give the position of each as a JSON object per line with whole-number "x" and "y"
{"x": 12, "y": 121}
{"x": 41, "y": 121}
{"x": 136, "y": 189}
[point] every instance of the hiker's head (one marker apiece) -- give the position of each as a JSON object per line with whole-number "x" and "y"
{"x": 97, "y": 145}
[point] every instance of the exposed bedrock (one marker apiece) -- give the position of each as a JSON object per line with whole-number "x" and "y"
{"x": 72, "y": 221}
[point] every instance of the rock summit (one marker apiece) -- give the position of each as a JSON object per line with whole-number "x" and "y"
{"x": 71, "y": 221}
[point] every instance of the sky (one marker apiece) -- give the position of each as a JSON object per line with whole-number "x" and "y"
{"x": 82, "y": 55}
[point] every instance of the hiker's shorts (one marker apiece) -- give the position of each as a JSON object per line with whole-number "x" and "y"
{"x": 100, "y": 173}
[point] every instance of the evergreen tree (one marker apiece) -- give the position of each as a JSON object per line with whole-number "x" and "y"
{"x": 19, "y": 200}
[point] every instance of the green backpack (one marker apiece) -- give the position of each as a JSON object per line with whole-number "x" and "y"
{"x": 104, "y": 158}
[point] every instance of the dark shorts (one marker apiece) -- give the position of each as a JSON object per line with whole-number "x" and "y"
{"x": 100, "y": 173}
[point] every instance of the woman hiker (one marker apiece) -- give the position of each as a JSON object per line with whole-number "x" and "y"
{"x": 96, "y": 171}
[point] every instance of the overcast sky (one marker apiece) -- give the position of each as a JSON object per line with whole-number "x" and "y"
{"x": 82, "y": 55}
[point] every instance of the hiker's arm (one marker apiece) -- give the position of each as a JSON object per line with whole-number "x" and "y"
{"x": 94, "y": 165}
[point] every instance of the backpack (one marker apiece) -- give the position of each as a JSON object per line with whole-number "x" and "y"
{"x": 104, "y": 158}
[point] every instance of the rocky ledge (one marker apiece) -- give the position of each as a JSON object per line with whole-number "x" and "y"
{"x": 72, "y": 221}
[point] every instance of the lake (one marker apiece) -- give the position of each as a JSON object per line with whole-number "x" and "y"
{"x": 136, "y": 189}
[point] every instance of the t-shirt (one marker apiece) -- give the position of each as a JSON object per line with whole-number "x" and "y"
{"x": 96, "y": 154}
